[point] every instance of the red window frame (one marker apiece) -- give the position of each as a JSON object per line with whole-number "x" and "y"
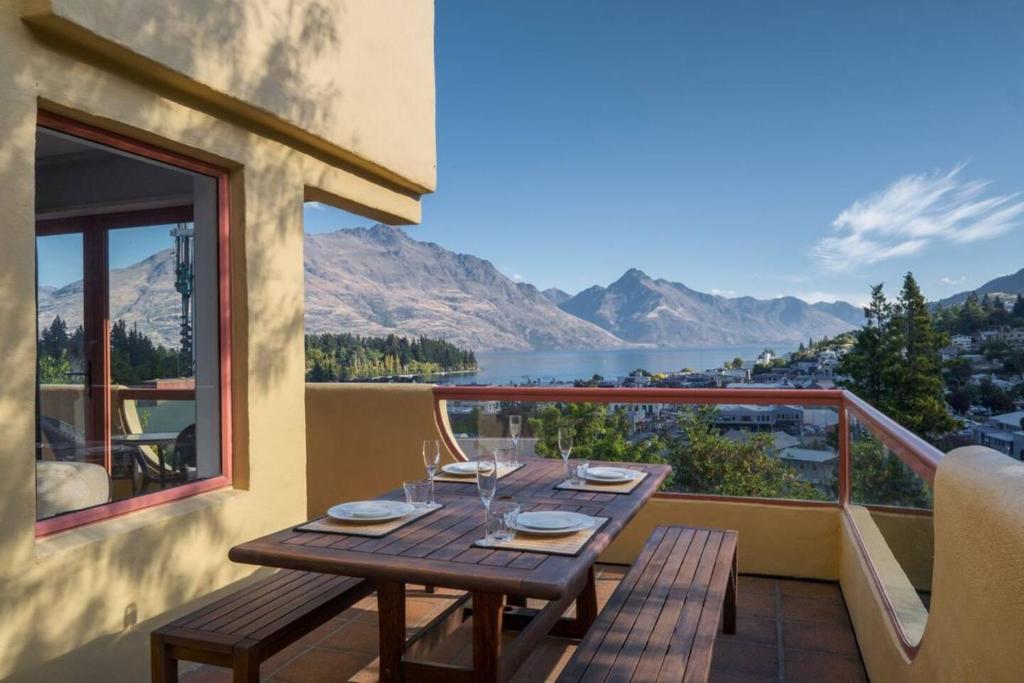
{"x": 99, "y": 513}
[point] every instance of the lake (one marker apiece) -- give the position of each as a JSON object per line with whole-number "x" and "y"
{"x": 516, "y": 367}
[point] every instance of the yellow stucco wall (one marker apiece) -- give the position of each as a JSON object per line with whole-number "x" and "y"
{"x": 364, "y": 439}
{"x": 975, "y": 628}
{"x": 79, "y": 605}
{"x": 350, "y": 78}
{"x": 773, "y": 539}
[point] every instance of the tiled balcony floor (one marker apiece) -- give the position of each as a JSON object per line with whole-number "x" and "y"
{"x": 787, "y": 630}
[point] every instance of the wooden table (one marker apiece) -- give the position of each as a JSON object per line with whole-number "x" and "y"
{"x": 438, "y": 550}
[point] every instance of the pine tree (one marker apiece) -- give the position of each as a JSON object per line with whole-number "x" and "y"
{"x": 916, "y": 397}
{"x": 873, "y": 353}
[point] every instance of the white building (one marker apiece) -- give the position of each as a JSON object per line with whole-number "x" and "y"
{"x": 962, "y": 342}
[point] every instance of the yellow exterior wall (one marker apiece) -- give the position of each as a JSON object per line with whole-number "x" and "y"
{"x": 79, "y": 605}
{"x": 364, "y": 439}
{"x": 975, "y": 629}
{"x": 773, "y": 539}
{"x": 353, "y": 79}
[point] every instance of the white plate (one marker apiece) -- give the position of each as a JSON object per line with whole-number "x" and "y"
{"x": 461, "y": 469}
{"x": 553, "y": 523}
{"x": 610, "y": 474}
{"x": 370, "y": 511}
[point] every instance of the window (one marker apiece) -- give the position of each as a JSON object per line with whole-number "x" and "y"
{"x": 133, "y": 392}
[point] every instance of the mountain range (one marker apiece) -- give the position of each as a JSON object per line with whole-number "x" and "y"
{"x": 377, "y": 281}
{"x": 1007, "y": 284}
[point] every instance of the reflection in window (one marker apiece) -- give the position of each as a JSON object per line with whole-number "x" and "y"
{"x": 128, "y": 393}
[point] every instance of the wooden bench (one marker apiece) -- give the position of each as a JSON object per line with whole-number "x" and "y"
{"x": 661, "y": 621}
{"x": 248, "y": 626}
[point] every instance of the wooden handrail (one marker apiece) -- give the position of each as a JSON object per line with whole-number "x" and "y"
{"x": 916, "y": 453}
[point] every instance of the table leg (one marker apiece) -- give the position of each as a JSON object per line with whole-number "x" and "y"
{"x": 729, "y": 611}
{"x": 391, "y": 619}
{"x": 487, "y": 615}
{"x": 586, "y": 604}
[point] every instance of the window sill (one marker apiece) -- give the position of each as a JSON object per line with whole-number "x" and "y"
{"x": 115, "y": 527}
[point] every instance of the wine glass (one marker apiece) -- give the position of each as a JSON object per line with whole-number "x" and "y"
{"x": 486, "y": 484}
{"x": 515, "y": 425}
{"x": 565, "y": 446}
{"x": 431, "y": 459}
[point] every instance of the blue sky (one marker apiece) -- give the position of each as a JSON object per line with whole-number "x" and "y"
{"x": 720, "y": 143}
{"x": 744, "y": 148}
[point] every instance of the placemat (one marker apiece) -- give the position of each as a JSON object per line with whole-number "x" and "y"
{"x": 329, "y": 525}
{"x": 471, "y": 479}
{"x": 553, "y": 545}
{"x": 625, "y": 487}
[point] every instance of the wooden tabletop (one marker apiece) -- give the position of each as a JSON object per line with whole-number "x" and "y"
{"x": 438, "y": 549}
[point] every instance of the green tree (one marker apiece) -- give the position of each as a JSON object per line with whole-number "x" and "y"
{"x": 599, "y": 434}
{"x": 1018, "y": 308}
{"x": 880, "y": 478}
{"x": 874, "y": 351}
{"x": 54, "y": 369}
{"x": 895, "y": 363}
{"x": 916, "y": 396}
{"x": 736, "y": 363}
{"x": 704, "y": 461}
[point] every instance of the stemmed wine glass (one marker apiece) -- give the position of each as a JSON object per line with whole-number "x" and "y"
{"x": 487, "y": 484}
{"x": 565, "y": 446}
{"x": 431, "y": 459}
{"x": 515, "y": 424}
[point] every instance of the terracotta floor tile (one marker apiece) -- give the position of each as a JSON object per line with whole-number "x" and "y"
{"x": 804, "y": 666}
{"x": 320, "y": 664}
{"x": 319, "y": 633}
{"x": 612, "y": 571}
{"x": 755, "y": 630}
{"x": 720, "y": 676}
{"x": 810, "y": 589}
{"x": 547, "y": 661}
{"x": 418, "y": 611}
{"x": 747, "y": 658}
{"x": 755, "y": 605}
{"x": 269, "y": 666}
{"x": 819, "y": 610}
{"x": 355, "y": 636}
{"x": 757, "y": 585}
{"x": 805, "y": 635}
{"x": 206, "y": 674}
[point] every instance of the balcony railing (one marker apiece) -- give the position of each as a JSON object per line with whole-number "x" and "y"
{"x": 875, "y": 472}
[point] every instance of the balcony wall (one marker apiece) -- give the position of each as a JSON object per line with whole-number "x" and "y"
{"x": 79, "y": 605}
{"x": 974, "y": 631}
{"x": 975, "y": 628}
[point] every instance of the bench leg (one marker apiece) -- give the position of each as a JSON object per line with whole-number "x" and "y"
{"x": 729, "y": 610}
{"x": 391, "y": 618}
{"x": 487, "y": 617}
{"x": 163, "y": 667}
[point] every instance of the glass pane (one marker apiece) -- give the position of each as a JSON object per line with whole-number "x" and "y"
{"x": 129, "y": 378}
{"x": 900, "y": 503}
{"x": 780, "y": 451}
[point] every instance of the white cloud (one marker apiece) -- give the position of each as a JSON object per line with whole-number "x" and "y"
{"x": 317, "y": 206}
{"x": 723, "y": 292}
{"x": 946, "y": 280}
{"x": 913, "y": 212}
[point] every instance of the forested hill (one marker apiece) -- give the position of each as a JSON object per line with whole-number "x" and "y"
{"x": 348, "y": 357}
